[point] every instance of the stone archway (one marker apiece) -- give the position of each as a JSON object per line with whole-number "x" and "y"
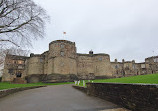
{"x": 18, "y": 75}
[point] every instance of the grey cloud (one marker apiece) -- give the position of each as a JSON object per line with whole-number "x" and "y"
{"x": 122, "y": 28}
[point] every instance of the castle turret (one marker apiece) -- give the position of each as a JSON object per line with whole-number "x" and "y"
{"x": 62, "y": 48}
{"x": 62, "y": 57}
{"x": 133, "y": 61}
{"x": 91, "y": 52}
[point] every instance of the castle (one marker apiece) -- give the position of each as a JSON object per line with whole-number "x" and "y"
{"x": 62, "y": 63}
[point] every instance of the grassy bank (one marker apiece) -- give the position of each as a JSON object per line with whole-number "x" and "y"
{"x": 7, "y": 85}
{"x": 147, "y": 79}
{"x": 150, "y": 79}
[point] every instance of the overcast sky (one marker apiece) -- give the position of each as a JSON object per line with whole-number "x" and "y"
{"x": 121, "y": 28}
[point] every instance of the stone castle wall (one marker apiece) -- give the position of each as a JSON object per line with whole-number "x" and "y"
{"x": 85, "y": 66}
{"x": 136, "y": 97}
{"x": 62, "y": 59}
{"x": 45, "y": 54}
{"x": 64, "y": 65}
{"x": 13, "y": 65}
{"x": 152, "y": 64}
{"x": 35, "y": 65}
{"x": 102, "y": 65}
{"x": 91, "y": 65}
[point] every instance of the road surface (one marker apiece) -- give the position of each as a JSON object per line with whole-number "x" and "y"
{"x": 53, "y": 98}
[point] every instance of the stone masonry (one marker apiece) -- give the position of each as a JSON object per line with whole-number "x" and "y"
{"x": 62, "y": 63}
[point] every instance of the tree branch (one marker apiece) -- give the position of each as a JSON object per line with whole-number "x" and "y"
{"x": 19, "y": 26}
{"x": 21, "y": 21}
{"x": 2, "y": 40}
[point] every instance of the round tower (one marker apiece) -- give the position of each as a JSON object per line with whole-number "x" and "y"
{"x": 62, "y": 57}
{"x": 62, "y": 48}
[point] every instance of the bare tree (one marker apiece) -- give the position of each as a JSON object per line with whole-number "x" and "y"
{"x": 21, "y": 21}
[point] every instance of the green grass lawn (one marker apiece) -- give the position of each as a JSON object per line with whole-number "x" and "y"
{"x": 7, "y": 85}
{"x": 147, "y": 79}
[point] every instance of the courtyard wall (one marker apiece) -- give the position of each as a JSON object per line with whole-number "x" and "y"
{"x": 136, "y": 97}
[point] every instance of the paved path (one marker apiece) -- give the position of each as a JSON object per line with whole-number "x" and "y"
{"x": 53, "y": 98}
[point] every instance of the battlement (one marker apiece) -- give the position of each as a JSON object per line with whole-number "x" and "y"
{"x": 151, "y": 57}
{"x": 62, "y": 41}
{"x": 101, "y": 54}
{"x": 36, "y": 55}
{"x": 90, "y": 55}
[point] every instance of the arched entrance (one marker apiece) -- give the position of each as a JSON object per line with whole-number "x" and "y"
{"x": 18, "y": 74}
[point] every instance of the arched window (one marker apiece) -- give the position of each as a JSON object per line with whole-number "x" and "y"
{"x": 18, "y": 74}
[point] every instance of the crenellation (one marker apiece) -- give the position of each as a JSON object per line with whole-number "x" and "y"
{"x": 62, "y": 41}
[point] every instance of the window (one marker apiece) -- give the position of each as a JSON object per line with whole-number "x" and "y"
{"x": 155, "y": 59}
{"x": 134, "y": 66}
{"x": 62, "y": 53}
{"x": 10, "y": 70}
{"x": 14, "y": 61}
{"x": 9, "y": 61}
{"x": 41, "y": 60}
{"x": 142, "y": 65}
{"x": 116, "y": 67}
{"x": 126, "y": 65}
{"x": 20, "y": 62}
{"x": 62, "y": 46}
{"x": 100, "y": 58}
{"x": 18, "y": 74}
{"x": 20, "y": 67}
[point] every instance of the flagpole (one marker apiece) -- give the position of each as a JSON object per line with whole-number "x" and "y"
{"x": 64, "y": 35}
